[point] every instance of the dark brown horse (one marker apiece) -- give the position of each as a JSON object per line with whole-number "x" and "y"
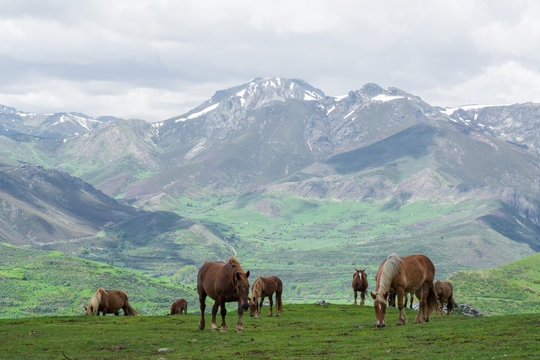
{"x": 401, "y": 275}
{"x": 265, "y": 287}
{"x": 223, "y": 282}
{"x": 178, "y": 307}
{"x": 109, "y": 302}
{"x": 359, "y": 283}
{"x": 445, "y": 292}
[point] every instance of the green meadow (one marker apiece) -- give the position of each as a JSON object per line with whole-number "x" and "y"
{"x": 306, "y": 331}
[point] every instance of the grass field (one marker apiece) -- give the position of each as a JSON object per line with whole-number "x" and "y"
{"x": 302, "y": 332}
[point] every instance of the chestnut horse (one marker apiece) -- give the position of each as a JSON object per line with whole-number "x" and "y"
{"x": 109, "y": 302}
{"x": 401, "y": 275}
{"x": 445, "y": 292}
{"x": 223, "y": 282}
{"x": 359, "y": 283}
{"x": 178, "y": 306}
{"x": 265, "y": 287}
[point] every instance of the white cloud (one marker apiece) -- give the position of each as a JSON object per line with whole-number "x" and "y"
{"x": 100, "y": 55}
{"x": 507, "y": 83}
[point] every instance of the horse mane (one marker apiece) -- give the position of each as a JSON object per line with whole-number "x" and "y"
{"x": 96, "y": 300}
{"x": 389, "y": 270}
{"x": 237, "y": 268}
{"x": 257, "y": 288}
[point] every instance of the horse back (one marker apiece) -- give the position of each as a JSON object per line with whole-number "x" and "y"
{"x": 272, "y": 284}
{"x": 414, "y": 271}
{"x": 213, "y": 280}
{"x": 114, "y": 300}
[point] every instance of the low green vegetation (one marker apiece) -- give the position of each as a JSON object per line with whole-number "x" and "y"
{"x": 302, "y": 332}
{"x": 511, "y": 288}
{"x": 37, "y": 283}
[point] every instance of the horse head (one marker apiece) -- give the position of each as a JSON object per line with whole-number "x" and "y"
{"x": 241, "y": 285}
{"x": 379, "y": 304}
{"x": 89, "y": 309}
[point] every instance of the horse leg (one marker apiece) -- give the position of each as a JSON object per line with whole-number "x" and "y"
{"x": 421, "y": 305}
{"x": 202, "y": 303}
{"x": 279, "y": 304}
{"x": 402, "y": 320}
{"x": 362, "y": 297}
{"x": 412, "y": 298}
{"x": 355, "y": 295}
{"x": 239, "y": 327}
{"x": 259, "y": 309}
{"x": 214, "y": 313}
{"x": 223, "y": 313}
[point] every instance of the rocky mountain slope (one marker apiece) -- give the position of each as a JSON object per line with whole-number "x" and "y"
{"x": 274, "y": 166}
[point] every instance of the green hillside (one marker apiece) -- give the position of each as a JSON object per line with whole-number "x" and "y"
{"x": 36, "y": 283}
{"x": 302, "y": 332}
{"x": 511, "y": 288}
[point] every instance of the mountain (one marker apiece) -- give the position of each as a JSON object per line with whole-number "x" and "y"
{"x": 58, "y": 125}
{"x": 306, "y": 186}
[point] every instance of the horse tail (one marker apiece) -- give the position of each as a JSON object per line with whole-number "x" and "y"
{"x": 451, "y": 303}
{"x": 278, "y": 296}
{"x": 129, "y": 310}
{"x": 431, "y": 301}
{"x": 389, "y": 270}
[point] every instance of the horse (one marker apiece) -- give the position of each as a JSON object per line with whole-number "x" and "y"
{"x": 223, "y": 282}
{"x": 178, "y": 307}
{"x": 109, "y": 302}
{"x": 265, "y": 287}
{"x": 402, "y": 275}
{"x": 445, "y": 292}
{"x": 359, "y": 283}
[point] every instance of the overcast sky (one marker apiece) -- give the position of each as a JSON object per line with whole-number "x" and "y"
{"x": 157, "y": 59}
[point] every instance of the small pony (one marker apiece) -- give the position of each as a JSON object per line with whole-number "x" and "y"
{"x": 109, "y": 302}
{"x": 445, "y": 292}
{"x": 359, "y": 283}
{"x": 265, "y": 287}
{"x": 178, "y": 307}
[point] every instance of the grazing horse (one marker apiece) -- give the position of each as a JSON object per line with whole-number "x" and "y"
{"x": 178, "y": 307}
{"x": 109, "y": 302}
{"x": 401, "y": 275}
{"x": 265, "y": 287}
{"x": 445, "y": 292}
{"x": 359, "y": 283}
{"x": 223, "y": 282}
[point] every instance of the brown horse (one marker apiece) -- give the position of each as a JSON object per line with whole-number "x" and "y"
{"x": 223, "y": 282}
{"x": 445, "y": 292}
{"x": 265, "y": 287}
{"x": 109, "y": 302}
{"x": 178, "y": 306}
{"x": 359, "y": 283}
{"x": 402, "y": 275}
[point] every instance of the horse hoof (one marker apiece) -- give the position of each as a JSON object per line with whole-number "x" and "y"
{"x": 223, "y": 330}
{"x": 239, "y": 330}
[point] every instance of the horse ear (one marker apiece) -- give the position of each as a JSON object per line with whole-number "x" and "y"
{"x": 247, "y": 274}
{"x": 356, "y": 269}
{"x": 373, "y": 295}
{"x": 363, "y": 270}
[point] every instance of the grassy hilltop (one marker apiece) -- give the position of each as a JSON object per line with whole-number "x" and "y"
{"x": 37, "y": 283}
{"x": 302, "y": 332}
{"x": 510, "y": 288}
